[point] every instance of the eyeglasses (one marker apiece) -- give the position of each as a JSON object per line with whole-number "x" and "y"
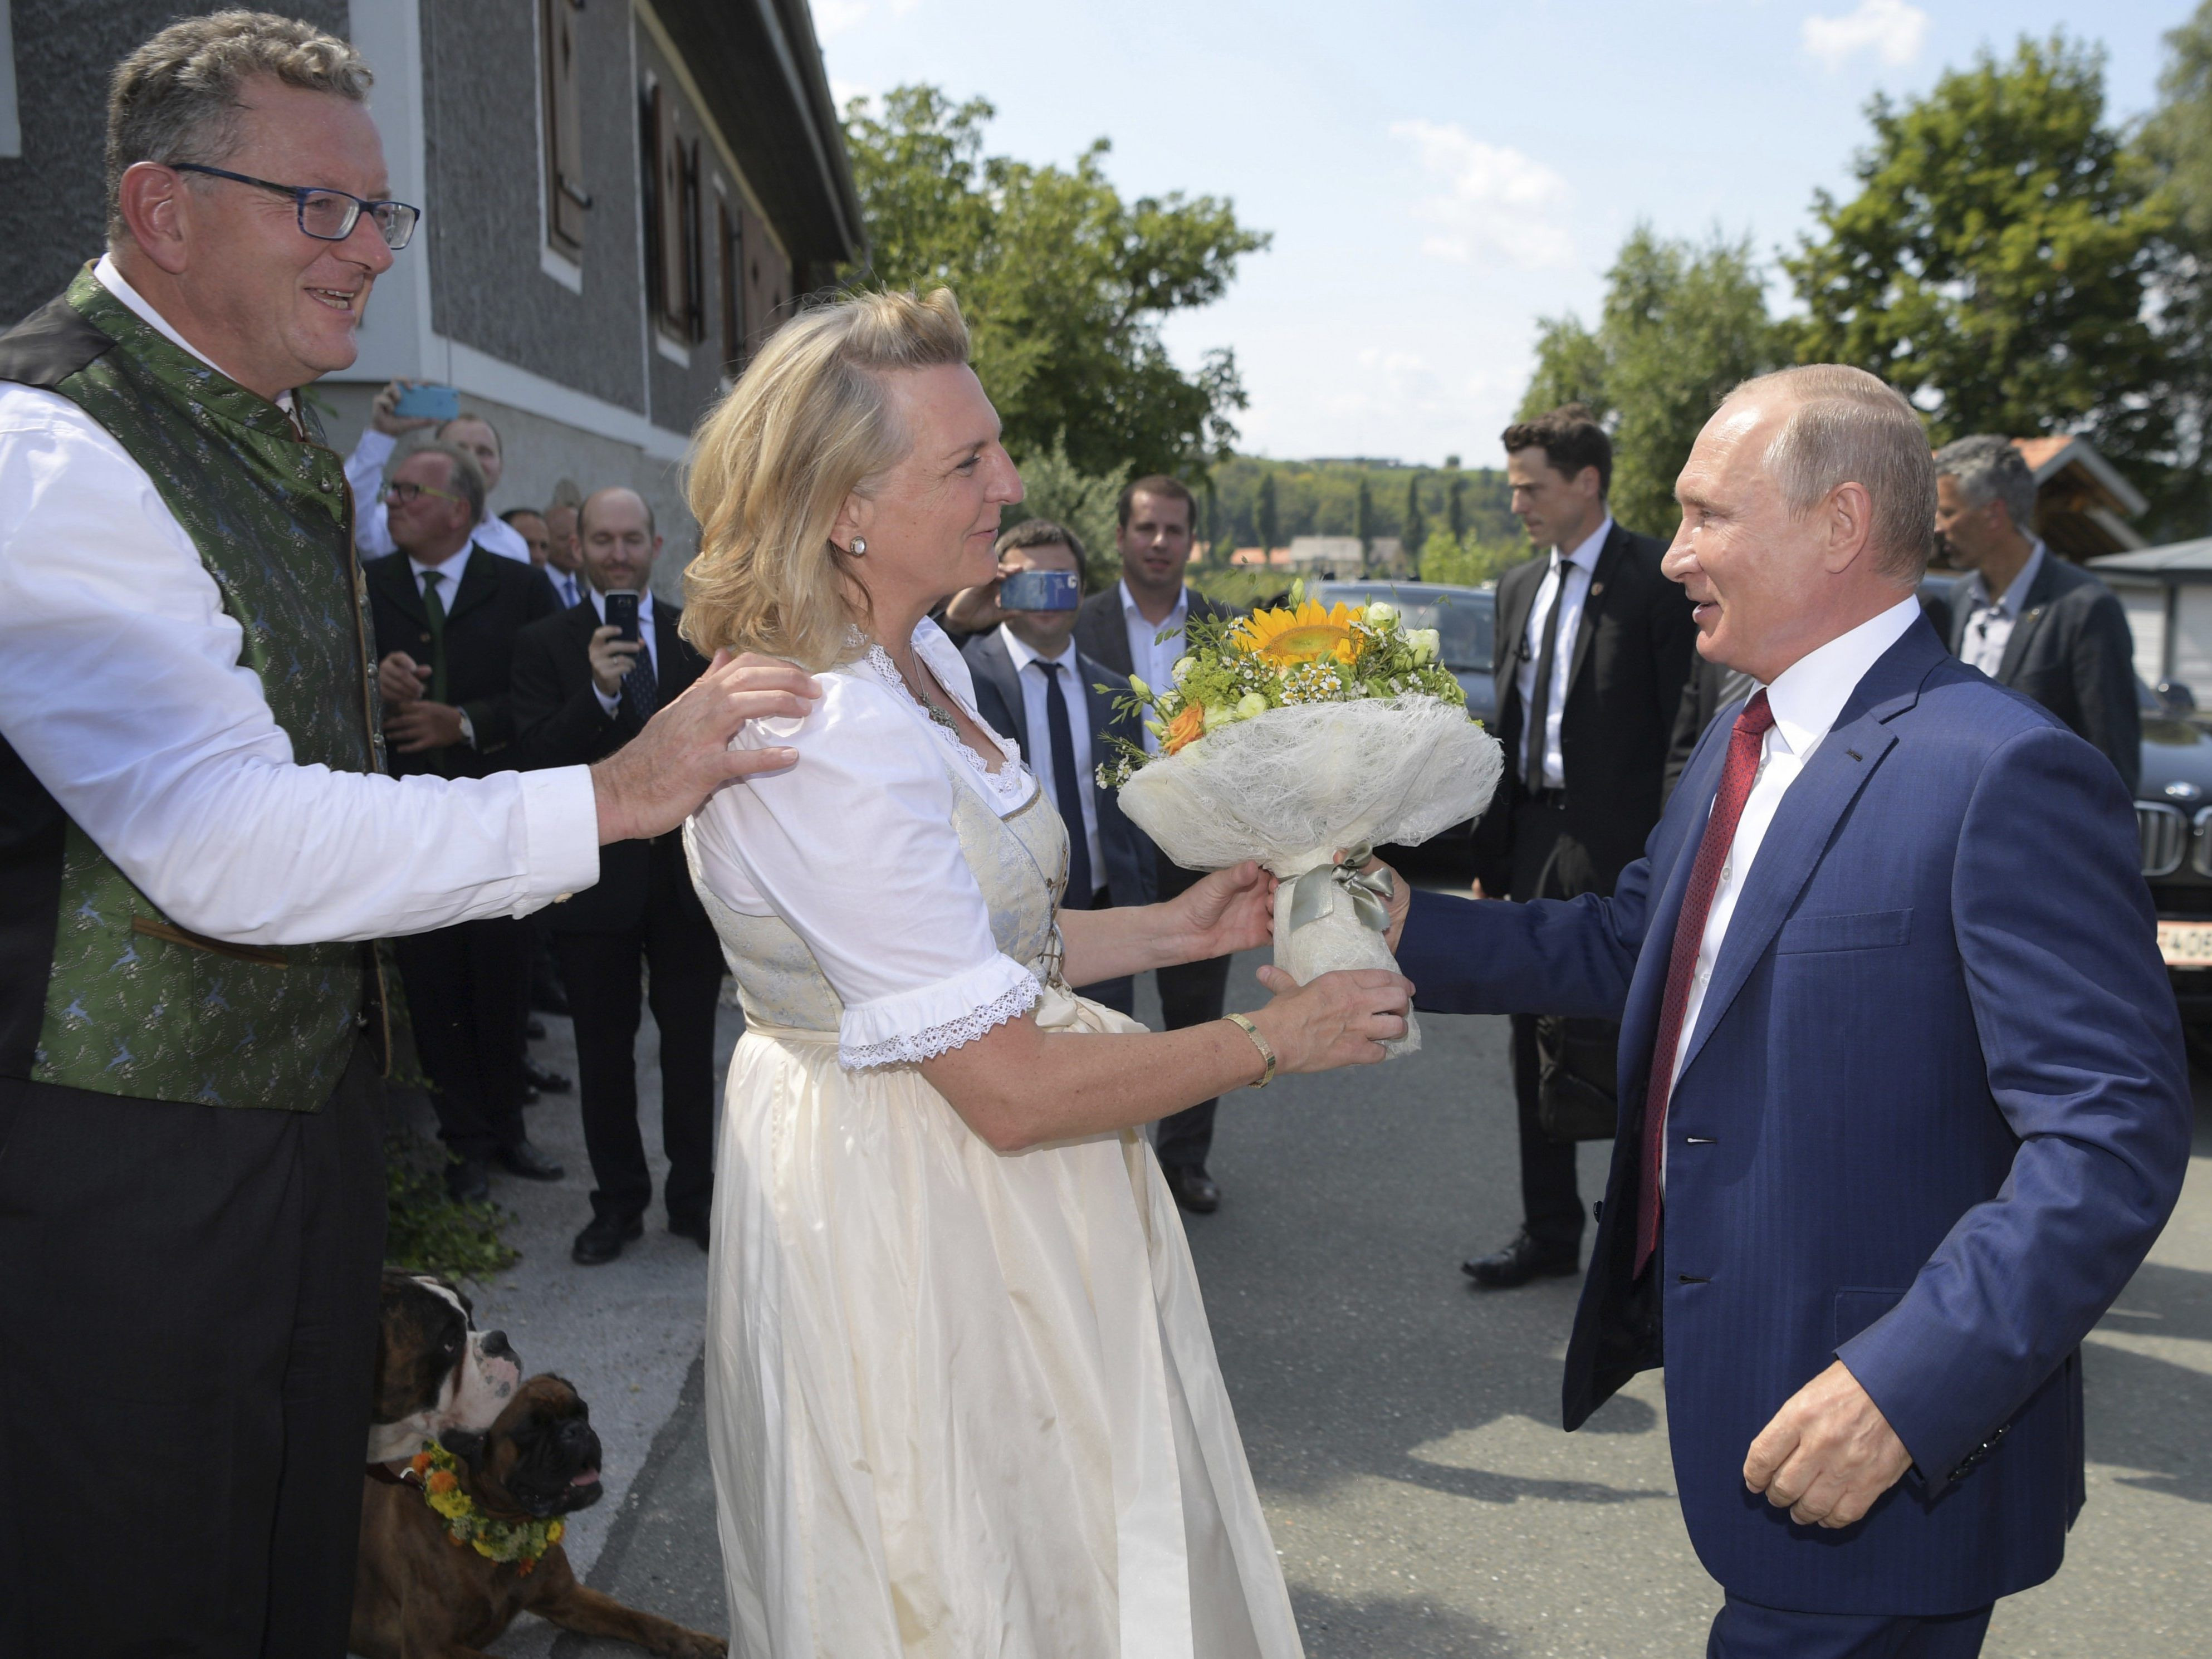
{"x": 329, "y": 215}
{"x": 399, "y": 495}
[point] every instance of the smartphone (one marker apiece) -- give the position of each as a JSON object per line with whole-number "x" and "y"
{"x": 437, "y": 403}
{"x": 1040, "y": 590}
{"x": 622, "y": 612}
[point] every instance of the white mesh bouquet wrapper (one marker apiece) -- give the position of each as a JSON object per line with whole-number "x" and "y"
{"x": 1291, "y": 786}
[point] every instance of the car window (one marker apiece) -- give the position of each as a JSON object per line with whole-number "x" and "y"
{"x": 1463, "y": 620}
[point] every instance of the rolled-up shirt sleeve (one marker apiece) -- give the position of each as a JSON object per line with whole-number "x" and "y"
{"x": 121, "y": 688}
{"x": 855, "y": 848}
{"x": 364, "y": 470}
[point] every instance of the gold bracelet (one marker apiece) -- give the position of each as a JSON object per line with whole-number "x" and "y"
{"x": 1266, "y": 1049}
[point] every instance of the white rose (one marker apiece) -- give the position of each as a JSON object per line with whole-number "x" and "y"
{"x": 1379, "y": 615}
{"x": 1427, "y": 643}
{"x": 1250, "y": 704}
{"x": 1216, "y": 716}
{"x": 1183, "y": 667}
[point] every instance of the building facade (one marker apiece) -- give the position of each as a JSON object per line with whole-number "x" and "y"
{"x": 621, "y": 198}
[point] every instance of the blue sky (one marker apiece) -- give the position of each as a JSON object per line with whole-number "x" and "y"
{"x": 1438, "y": 176}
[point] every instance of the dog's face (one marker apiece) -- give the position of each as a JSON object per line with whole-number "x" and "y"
{"x": 539, "y": 1459}
{"x": 433, "y": 1370}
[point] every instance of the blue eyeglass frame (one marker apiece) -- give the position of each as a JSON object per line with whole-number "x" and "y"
{"x": 299, "y": 193}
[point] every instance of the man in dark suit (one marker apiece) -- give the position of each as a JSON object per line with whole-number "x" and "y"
{"x": 581, "y": 690}
{"x": 1900, "y": 1113}
{"x": 1136, "y": 627}
{"x": 1593, "y": 647}
{"x": 2024, "y": 616}
{"x": 1034, "y": 685}
{"x": 446, "y": 614}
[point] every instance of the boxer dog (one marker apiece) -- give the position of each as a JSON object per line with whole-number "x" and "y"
{"x": 418, "y": 1595}
{"x": 435, "y": 1370}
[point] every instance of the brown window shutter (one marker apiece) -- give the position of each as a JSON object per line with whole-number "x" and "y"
{"x": 566, "y": 201}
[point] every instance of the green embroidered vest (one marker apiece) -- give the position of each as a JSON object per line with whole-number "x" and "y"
{"x": 132, "y": 1004}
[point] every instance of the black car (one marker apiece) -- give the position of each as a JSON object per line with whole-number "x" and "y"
{"x": 2173, "y": 823}
{"x": 1463, "y": 617}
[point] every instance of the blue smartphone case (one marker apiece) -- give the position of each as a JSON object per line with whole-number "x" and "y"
{"x": 437, "y": 403}
{"x": 1040, "y": 590}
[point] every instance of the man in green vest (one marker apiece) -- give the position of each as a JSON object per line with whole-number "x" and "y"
{"x": 196, "y": 837}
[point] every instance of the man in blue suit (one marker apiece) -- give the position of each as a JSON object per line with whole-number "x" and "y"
{"x": 1902, "y": 1093}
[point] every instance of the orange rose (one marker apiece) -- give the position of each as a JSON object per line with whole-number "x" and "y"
{"x": 1187, "y": 727}
{"x": 443, "y": 1481}
{"x": 419, "y": 1462}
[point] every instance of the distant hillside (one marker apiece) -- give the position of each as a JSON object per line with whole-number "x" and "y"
{"x": 1321, "y": 498}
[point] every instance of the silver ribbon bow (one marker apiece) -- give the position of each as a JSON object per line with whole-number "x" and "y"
{"x": 1310, "y": 893}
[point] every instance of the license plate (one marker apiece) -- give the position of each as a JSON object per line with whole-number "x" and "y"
{"x": 2185, "y": 944}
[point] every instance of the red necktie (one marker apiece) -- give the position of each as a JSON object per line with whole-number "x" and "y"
{"x": 1743, "y": 767}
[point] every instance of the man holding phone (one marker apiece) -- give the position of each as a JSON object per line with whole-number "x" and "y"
{"x": 406, "y": 406}
{"x": 1032, "y": 683}
{"x": 585, "y": 681}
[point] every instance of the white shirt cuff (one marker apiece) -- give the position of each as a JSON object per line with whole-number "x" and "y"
{"x": 561, "y": 819}
{"x": 921, "y": 1024}
{"x": 609, "y": 706}
{"x": 372, "y": 449}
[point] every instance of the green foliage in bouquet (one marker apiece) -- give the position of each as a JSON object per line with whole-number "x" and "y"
{"x": 1238, "y": 667}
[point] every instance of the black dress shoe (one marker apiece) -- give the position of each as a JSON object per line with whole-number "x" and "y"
{"x": 693, "y": 1227}
{"x": 467, "y": 1180}
{"x": 545, "y": 1078}
{"x": 526, "y": 1160}
{"x": 1193, "y": 1188}
{"x": 1523, "y": 1260}
{"x": 602, "y": 1240}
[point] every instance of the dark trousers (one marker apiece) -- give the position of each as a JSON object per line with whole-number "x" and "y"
{"x": 677, "y": 945}
{"x": 1745, "y": 1630}
{"x": 1191, "y": 993}
{"x": 468, "y": 999}
{"x": 187, "y": 1341}
{"x": 1547, "y": 863}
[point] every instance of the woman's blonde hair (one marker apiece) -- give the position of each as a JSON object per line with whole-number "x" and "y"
{"x": 808, "y": 424}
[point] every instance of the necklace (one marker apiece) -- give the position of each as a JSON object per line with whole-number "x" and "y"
{"x": 522, "y": 1542}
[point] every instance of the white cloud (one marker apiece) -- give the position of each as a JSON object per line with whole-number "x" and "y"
{"x": 834, "y": 17}
{"x": 1894, "y": 29}
{"x": 1496, "y": 203}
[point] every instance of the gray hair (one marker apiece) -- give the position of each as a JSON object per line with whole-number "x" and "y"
{"x": 1851, "y": 427}
{"x": 177, "y": 97}
{"x": 467, "y": 475}
{"x": 1991, "y": 469}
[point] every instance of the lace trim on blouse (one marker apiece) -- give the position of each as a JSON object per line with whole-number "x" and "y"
{"x": 937, "y": 1040}
{"x": 1009, "y": 783}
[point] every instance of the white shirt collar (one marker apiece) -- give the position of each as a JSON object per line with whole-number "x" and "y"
{"x": 2015, "y": 595}
{"x": 1023, "y": 655}
{"x": 453, "y": 570}
{"x": 1175, "y": 617}
{"x": 115, "y": 283}
{"x": 1588, "y": 547}
{"x": 1808, "y": 696}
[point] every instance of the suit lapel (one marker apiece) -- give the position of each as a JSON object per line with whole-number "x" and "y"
{"x": 1602, "y": 577}
{"x": 392, "y": 576}
{"x": 1806, "y": 821}
{"x": 478, "y": 583}
{"x": 1640, "y": 1015}
{"x": 2035, "y": 612}
{"x": 997, "y": 664}
{"x": 1961, "y": 603}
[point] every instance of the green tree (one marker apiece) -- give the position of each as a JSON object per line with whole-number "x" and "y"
{"x": 1362, "y": 517}
{"x": 1054, "y": 488}
{"x": 1994, "y": 263}
{"x": 1064, "y": 284}
{"x": 1455, "y": 503}
{"x": 1414, "y": 533}
{"x": 1682, "y": 324}
{"x": 2176, "y": 142}
{"x": 1270, "y": 523}
{"x": 1471, "y": 560}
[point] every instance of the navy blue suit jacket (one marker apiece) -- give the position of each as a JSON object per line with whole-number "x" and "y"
{"x": 1933, "y": 1114}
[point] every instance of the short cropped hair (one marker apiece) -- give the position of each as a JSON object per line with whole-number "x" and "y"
{"x": 1851, "y": 427}
{"x": 467, "y": 478}
{"x": 177, "y": 98}
{"x": 1043, "y": 533}
{"x": 1991, "y": 469}
{"x": 1570, "y": 439}
{"x": 1156, "y": 483}
{"x": 809, "y": 423}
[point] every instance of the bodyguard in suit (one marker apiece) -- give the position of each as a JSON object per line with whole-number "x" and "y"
{"x": 446, "y": 614}
{"x": 1593, "y": 647}
{"x": 1032, "y": 683}
{"x": 580, "y": 692}
{"x": 2024, "y": 616}
{"x": 1900, "y": 1113}
{"x": 1136, "y": 627}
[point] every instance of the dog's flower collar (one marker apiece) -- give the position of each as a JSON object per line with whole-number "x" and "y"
{"x": 523, "y": 1543}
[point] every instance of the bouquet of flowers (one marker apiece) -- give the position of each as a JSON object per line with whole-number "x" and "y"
{"x": 1292, "y": 734}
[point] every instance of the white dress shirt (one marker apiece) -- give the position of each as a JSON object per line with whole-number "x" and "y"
{"x": 449, "y": 576}
{"x": 1805, "y": 698}
{"x": 372, "y": 536}
{"x": 124, "y": 694}
{"x": 1029, "y": 667}
{"x": 644, "y": 636}
{"x": 1153, "y": 658}
{"x": 1989, "y": 622}
{"x": 1567, "y": 584}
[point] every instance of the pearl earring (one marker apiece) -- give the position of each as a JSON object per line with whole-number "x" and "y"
{"x": 859, "y": 546}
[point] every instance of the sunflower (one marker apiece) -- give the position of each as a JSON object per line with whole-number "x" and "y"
{"x": 1307, "y": 634}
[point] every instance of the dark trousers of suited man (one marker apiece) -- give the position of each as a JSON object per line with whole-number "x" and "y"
{"x": 1191, "y": 993}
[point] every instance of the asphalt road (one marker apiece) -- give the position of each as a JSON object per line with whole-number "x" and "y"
{"x": 1402, "y": 1425}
